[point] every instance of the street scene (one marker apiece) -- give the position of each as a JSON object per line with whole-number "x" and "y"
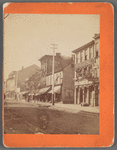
{"x": 43, "y": 118}
{"x": 51, "y": 74}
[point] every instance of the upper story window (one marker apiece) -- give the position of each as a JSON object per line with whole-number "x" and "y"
{"x": 95, "y": 72}
{"x": 61, "y": 77}
{"x": 57, "y": 78}
{"x": 96, "y": 49}
{"x": 81, "y": 56}
{"x": 86, "y": 54}
{"x": 44, "y": 66}
{"x": 76, "y": 58}
{"x": 96, "y": 46}
{"x": 85, "y": 71}
{"x": 50, "y": 79}
{"x": 90, "y": 52}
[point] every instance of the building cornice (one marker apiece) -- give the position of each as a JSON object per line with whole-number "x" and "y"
{"x": 83, "y": 47}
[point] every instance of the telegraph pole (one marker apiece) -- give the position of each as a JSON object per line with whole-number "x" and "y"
{"x": 54, "y": 47}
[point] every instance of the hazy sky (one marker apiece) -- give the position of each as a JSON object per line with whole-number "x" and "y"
{"x": 27, "y": 37}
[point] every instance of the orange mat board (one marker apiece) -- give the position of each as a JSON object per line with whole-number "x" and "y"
{"x": 106, "y": 96}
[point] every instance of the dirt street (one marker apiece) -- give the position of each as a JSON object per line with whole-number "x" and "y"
{"x": 21, "y": 118}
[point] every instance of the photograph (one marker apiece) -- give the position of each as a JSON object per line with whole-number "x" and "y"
{"x": 51, "y": 74}
{"x": 56, "y": 74}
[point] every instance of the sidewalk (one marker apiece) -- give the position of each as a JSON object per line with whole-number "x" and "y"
{"x": 78, "y": 108}
{"x": 68, "y": 107}
{"x": 71, "y": 107}
{"x": 65, "y": 107}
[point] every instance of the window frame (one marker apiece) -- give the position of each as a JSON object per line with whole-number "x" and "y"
{"x": 86, "y": 54}
{"x": 90, "y": 52}
{"x": 81, "y": 54}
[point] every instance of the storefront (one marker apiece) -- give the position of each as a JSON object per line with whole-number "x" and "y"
{"x": 57, "y": 93}
{"x": 42, "y": 95}
{"x": 87, "y": 92}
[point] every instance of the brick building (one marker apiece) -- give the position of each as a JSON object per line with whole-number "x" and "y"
{"x": 63, "y": 77}
{"x": 86, "y": 76}
{"x": 16, "y": 80}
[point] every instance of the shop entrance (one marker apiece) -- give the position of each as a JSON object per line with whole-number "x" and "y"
{"x": 81, "y": 95}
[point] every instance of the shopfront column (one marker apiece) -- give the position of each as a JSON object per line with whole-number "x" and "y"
{"x": 83, "y": 94}
{"x": 79, "y": 95}
{"x": 88, "y": 95}
{"x": 94, "y": 95}
{"x": 98, "y": 95}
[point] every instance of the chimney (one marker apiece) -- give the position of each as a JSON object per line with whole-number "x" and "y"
{"x": 22, "y": 67}
{"x": 58, "y": 54}
{"x": 73, "y": 57}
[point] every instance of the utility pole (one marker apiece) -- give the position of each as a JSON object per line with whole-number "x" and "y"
{"x": 54, "y": 47}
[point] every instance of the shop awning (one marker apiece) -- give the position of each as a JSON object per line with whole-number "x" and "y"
{"x": 43, "y": 90}
{"x": 57, "y": 89}
{"x": 24, "y": 92}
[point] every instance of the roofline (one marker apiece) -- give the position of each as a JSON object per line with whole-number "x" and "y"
{"x": 29, "y": 67}
{"x": 84, "y": 46}
{"x": 60, "y": 69}
{"x": 44, "y": 56}
{"x": 96, "y": 36}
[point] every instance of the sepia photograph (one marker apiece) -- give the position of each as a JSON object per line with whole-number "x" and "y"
{"x": 51, "y": 70}
{"x": 58, "y": 75}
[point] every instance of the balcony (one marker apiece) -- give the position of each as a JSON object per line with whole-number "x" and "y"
{"x": 86, "y": 63}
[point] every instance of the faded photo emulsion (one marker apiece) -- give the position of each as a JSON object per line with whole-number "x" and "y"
{"x": 51, "y": 73}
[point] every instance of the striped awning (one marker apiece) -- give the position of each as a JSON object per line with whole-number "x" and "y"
{"x": 43, "y": 91}
{"x": 57, "y": 89}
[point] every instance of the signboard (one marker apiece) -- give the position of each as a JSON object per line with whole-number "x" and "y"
{"x": 83, "y": 82}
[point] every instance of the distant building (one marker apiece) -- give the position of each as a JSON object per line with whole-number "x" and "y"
{"x": 86, "y": 80}
{"x": 63, "y": 78}
{"x": 16, "y": 80}
{"x": 33, "y": 82}
{"x": 4, "y": 87}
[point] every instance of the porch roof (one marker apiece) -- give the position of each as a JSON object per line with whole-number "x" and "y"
{"x": 84, "y": 64}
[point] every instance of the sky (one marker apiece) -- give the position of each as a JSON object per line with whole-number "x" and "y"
{"x": 27, "y": 37}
